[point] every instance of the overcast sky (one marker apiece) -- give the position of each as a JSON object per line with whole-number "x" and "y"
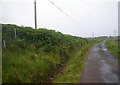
{"x": 98, "y": 16}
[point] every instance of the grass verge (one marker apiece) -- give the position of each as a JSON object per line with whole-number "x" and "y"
{"x": 112, "y": 45}
{"x": 75, "y": 66}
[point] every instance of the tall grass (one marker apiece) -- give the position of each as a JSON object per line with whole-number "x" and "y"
{"x": 112, "y": 44}
{"x": 75, "y": 66}
{"x": 27, "y": 66}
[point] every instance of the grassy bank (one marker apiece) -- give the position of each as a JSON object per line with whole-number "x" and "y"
{"x": 36, "y": 55}
{"x": 112, "y": 45}
{"x": 75, "y": 66}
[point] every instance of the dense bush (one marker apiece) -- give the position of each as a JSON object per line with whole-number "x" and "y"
{"x": 49, "y": 39}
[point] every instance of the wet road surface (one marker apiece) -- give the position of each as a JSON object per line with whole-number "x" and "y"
{"x": 101, "y": 66}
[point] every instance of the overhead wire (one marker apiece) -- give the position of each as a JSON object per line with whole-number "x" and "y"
{"x": 78, "y": 24}
{"x": 64, "y": 12}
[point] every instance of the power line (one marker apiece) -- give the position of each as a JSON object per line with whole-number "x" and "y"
{"x": 63, "y": 12}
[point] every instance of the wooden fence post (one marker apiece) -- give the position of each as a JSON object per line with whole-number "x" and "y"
{"x": 15, "y": 32}
{"x": 4, "y": 43}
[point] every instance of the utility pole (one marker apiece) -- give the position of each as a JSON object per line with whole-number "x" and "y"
{"x": 110, "y": 35}
{"x": 35, "y": 15}
{"x": 114, "y": 33}
{"x": 93, "y": 34}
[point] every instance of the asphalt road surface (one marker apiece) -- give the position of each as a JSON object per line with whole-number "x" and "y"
{"x": 101, "y": 66}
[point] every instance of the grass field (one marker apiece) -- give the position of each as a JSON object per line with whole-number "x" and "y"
{"x": 112, "y": 44}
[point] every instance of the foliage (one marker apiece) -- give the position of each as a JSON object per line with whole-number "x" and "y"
{"x": 73, "y": 72}
{"x": 112, "y": 44}
{"x": 35, "y": 55}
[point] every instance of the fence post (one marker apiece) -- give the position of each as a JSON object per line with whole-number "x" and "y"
{"x": 4, "y": 43}
{"x": 15, "y": 32}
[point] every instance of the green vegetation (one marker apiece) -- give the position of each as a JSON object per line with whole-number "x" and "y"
{"x": 36, "y": 55}
{"x": 73, "y": 72}
{"x": 112, "y": 45}
{"x": 74, "y": 67}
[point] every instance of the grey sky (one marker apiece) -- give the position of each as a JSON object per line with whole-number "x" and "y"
{"x": 98, "y": 16}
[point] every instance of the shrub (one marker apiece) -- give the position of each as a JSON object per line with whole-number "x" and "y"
{"x": 49, "y": 47}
